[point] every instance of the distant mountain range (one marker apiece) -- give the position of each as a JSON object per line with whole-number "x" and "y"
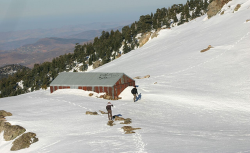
{"x": 37, "y": 46}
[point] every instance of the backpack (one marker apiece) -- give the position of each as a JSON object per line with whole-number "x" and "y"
{"x": 133, "y": 91}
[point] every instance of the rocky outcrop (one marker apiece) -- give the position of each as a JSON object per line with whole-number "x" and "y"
{"x": 96, "y": 64}
{"x": 155, "y": 34}
{"x": 24, "y": 141}
{"x": 144, "y": 39}
{"x": 215, "y": 6}
{"x": 3, "y": 114}
{"x": 11, "y": 132}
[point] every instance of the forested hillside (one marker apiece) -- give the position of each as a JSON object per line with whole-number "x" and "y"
{"x": 107, "y": 47}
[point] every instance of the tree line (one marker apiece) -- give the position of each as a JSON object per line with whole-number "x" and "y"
{"x": 103, "y": 48}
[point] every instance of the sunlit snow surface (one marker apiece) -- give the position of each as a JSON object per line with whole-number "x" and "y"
{"x": 200, "y": 103}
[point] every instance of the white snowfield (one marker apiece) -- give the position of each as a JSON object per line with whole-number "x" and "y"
{"x": 200, "y": 103}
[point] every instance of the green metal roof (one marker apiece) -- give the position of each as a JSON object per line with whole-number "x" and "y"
{"x": 86, "y": 79}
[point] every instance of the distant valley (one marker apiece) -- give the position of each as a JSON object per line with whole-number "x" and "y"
{"x": 38, "y": 46}
{"x": 43, "y": 50}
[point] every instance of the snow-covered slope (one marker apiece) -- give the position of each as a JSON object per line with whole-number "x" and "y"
{"x": 200, "y": 103}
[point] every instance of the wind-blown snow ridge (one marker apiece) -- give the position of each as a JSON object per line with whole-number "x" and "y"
{"x": 192, "y": 102}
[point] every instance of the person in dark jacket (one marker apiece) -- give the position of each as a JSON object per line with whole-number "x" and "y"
{"x": 108, "y": 107}
{"x": 134, "y": 92}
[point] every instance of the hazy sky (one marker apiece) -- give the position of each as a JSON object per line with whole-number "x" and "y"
{"x": 32, "y": 14}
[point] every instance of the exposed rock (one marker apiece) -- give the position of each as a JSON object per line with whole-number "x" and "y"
{"x": 155, "y": 34}
{"x": 144, "y": 39}
{"x": 3, "y": 113}
{"x": 215, "y": 6}
{"x": 110, "y": 123}
{"x": 155, "y": 83}
{"x": 127, "y": 121}
{"x": 91, "y": 113}
{"x": 139, "y": 77}
{"x": 203, "y": 50}
{"x": 12, "y": 131}
{"x": 129, "y": 129}
{"x": 237, "y": 7}
{"x": 91, "y": 94}
{"x": 107, "y": 97}
{"x": 117, "y": 56}
{"x": 147, "y": 76}
{"x": 117, "y": 118}
{"x": 96, "y": 64}
{"x": 248, "y": 20}
{"x": 1, "y": 125}
{"x": 103, "y": 112}
{"x": 24, "y": 141}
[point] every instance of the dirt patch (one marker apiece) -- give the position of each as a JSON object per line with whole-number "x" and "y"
{"x": 24, "y": 141}
{"x": 103, "y": 112}
{"x": 129, "y": 129}
{"x": 91, "y": 113}
{"x": 91, "y": 94}
{"x": 248, "y": 20}
{"x": 204, "y": 50}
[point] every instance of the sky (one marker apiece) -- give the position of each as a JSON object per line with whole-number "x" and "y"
{"x": 192, "y": 102}
{"x": 33, "y": 14}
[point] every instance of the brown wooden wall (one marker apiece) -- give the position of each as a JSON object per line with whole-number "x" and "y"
{"x": 114, "y": 91}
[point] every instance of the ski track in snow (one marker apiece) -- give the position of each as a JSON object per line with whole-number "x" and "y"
{"x": 43, "y": 149}
{"x": 140, "y": 145}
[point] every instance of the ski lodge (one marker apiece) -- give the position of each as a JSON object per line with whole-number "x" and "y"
{"x": 110, "y": 83}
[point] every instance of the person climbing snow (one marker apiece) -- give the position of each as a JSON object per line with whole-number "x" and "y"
{"x": 134, "y": 92}
{"x": 108, "y": 107}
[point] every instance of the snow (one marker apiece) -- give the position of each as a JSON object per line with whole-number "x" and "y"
{"x": 200, "y": 103}
{"x": 20, "y": 84}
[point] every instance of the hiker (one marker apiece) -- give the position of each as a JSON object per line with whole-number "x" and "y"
{"x": 108, "y": 107}
{"x": 134, "y": 92}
